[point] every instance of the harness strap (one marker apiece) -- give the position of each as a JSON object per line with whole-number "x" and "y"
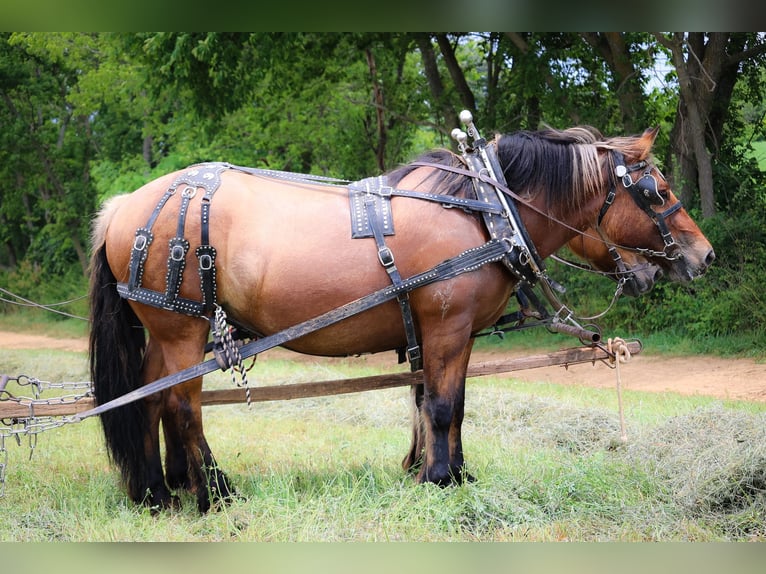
{"x": 206, "y": 257}
{"x": 143, "y": 240}
{"x": 386, "y": 258}
{"x": 470, "y": 260}
{"x": 178, "y": 248}
{"x": 208, "y": 177}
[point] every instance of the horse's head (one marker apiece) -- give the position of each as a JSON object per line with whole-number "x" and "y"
{"x": 571, "y": 180}
{"x": 636, "y": 273}
{"x": 641, "y": 212}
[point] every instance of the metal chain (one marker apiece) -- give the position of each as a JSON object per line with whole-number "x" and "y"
{"x": 31, "y": 426}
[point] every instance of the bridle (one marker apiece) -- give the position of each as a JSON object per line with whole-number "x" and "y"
{"x": 645, "y": 193}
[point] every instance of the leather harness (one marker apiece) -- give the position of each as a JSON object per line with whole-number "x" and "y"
{"x": 371, "y": 217}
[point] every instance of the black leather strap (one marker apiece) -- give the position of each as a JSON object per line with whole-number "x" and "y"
{"x": 205, "y": 176}
{"x": 386, "y": 258}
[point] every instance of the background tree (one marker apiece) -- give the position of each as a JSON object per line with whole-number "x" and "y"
{"x": 86, "y": 116}
{"x": 707, "y": 66}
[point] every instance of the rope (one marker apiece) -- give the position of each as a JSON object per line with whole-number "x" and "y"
{"x": 49, "y": 307}
{"x": 233, "y": 356}
{"x": 619, "y": 353}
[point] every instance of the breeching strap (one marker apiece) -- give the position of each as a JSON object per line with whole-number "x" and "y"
{"x": 470, "y": 260}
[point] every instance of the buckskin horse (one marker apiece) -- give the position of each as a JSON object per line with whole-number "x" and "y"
{"x": 418, "y": 261}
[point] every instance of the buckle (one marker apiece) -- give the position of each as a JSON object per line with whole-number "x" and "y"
{"x": 205, "y": 262}
{"x": 385, "y": 256}
{"x": 139, "y": 244}
{"x": 177, "y": 253}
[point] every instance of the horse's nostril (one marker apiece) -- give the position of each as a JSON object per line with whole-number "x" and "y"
{"x": 658, "y": 274}
{"x": 709, "y": 258}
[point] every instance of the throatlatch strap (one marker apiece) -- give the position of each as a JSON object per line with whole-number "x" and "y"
{"x": 386, "y": 258}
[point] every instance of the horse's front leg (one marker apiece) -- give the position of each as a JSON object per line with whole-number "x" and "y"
{"x": 445, "y": 364}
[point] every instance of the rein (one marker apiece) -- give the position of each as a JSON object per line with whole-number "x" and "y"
{"x": 503, "y": 188}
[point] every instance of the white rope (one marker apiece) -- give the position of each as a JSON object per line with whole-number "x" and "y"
{"x": 619, "y": 353}
{"x": 233, "y": 358}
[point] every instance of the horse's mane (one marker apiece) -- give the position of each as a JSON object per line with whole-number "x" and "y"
{"x": 565, "y": 164}
{"x": 444, "y": 182}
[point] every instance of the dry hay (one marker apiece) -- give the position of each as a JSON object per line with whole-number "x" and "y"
{"x": 713, "y": 461}
{"x": 541, "y": 422}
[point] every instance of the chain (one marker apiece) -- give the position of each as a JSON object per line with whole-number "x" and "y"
{"x": 31, "y": 425}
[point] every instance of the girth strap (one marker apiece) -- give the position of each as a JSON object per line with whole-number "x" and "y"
{"x": 386, "y": 258}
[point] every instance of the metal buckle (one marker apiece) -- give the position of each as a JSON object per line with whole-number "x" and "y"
{"x": 205, "y": 262}
{"x": 177, "y": 253}
{"x": 385, "y": 256}
{"x": 139, "y": 244}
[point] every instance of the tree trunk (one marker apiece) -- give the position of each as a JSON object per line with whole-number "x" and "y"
{"x": 698, "y": 67}
{"x": 627, "y": 85}
{"x": 449, "y": 117}
{"x": 379, "y": 146}
{"x": 456, "y": 73}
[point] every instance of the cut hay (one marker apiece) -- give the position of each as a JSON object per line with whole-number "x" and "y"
{"x": 713, "y": 462}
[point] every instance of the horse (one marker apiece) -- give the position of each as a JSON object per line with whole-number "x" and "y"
{"x": 284, "y": 254}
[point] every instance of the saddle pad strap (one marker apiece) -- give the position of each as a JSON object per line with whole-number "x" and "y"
{"x": 373, "y": 190}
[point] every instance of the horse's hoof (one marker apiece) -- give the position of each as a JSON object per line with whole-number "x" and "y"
{"x": 160, "y": 504}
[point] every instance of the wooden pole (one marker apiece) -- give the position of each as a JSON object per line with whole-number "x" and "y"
{"x": 575, "y": 355}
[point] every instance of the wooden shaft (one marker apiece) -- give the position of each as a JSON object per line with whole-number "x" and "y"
{"x": 575, "y": 355}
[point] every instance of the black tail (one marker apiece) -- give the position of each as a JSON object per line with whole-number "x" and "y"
{"x": 117, "y": 345}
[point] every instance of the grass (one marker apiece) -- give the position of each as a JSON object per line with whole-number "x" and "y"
{"x": 547, "y": 457}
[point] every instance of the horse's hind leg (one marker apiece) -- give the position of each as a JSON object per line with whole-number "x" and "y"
{"x": 414, "y": 458}
{"x": 156, "y": 493}
{"x": 190, "y": 462}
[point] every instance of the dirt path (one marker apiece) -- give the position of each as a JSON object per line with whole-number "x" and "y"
{"x": 724, "y": 378}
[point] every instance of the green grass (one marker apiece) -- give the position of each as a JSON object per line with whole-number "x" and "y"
{"x": 547, "y": 457}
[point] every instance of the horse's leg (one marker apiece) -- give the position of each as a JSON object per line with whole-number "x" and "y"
{"x": 189, "y": 462}
{"x": 157, "y": 494}
{"x": 445, "y": 363}
{"x": 414, "y": 458}
{"x": 192, "y": 464}
{"x": 176, "y": 462}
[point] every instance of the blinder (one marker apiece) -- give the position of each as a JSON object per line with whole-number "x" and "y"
{"x": 646, "y": 194}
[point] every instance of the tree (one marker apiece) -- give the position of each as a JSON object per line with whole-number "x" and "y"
{"x": 707, "y": 66}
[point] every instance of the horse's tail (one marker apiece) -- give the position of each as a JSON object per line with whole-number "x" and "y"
{"x": 117, "y": 345}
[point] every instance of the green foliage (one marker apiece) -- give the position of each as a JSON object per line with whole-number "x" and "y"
{"x": 89, "y": 115}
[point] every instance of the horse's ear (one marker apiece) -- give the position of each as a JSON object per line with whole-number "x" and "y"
{"x": 647, "y": 141}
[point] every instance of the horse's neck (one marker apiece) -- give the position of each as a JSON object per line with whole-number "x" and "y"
{"x": 548, "y": 235}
